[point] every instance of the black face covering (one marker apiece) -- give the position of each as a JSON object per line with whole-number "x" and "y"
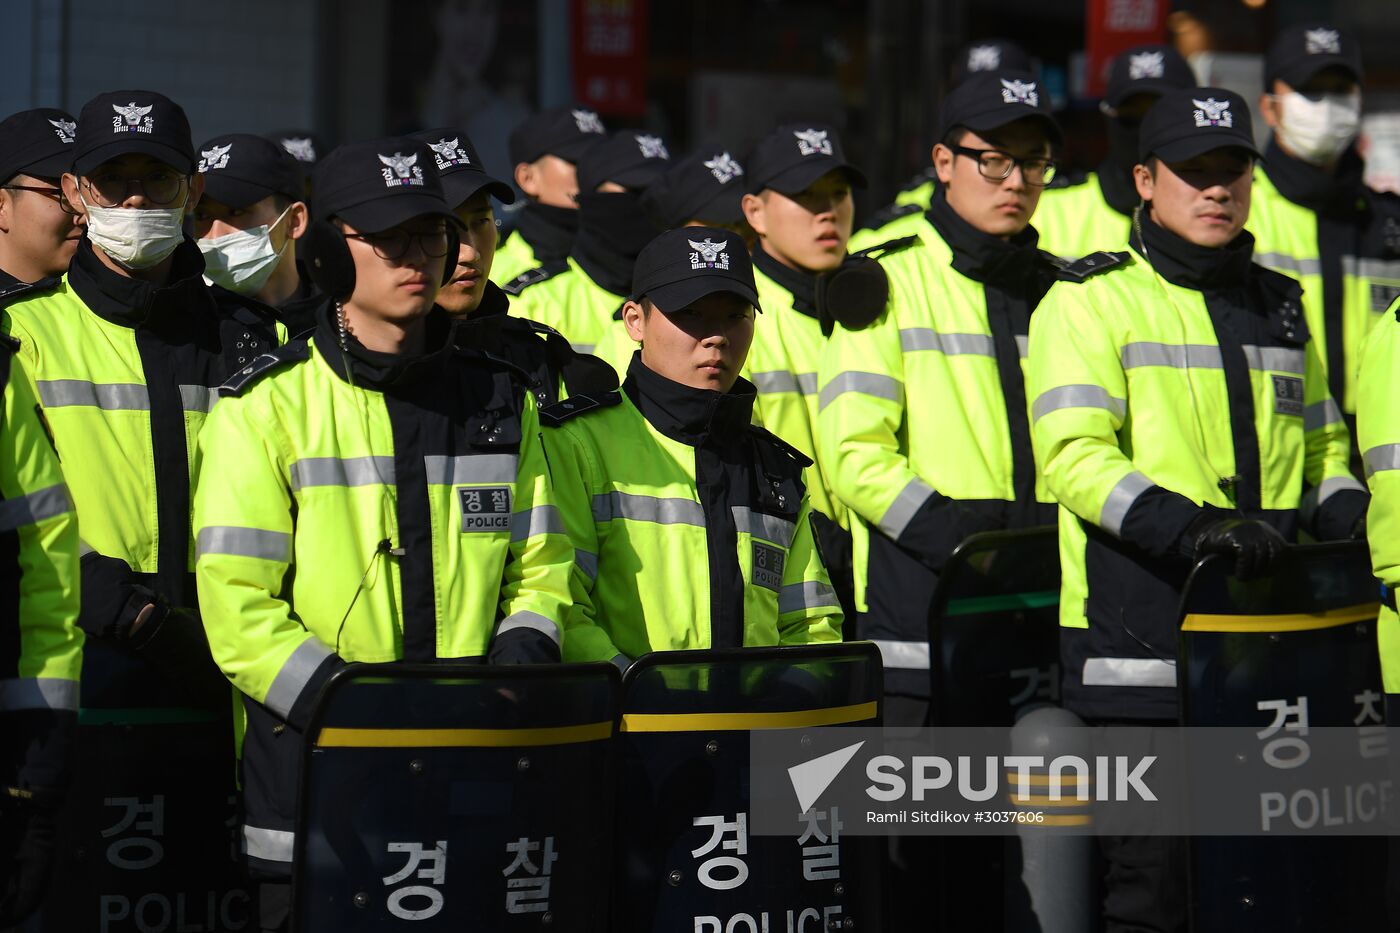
{"x": 612, "y": 229}
{"x": 1116, "y": 170}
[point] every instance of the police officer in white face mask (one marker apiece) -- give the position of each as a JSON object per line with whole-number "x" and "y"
{"x": 248, "y": 222}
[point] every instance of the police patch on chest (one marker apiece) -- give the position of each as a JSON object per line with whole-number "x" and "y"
{"x": 485, "y": 508}
{"x": 1288, "y": 395}
{"x": 768, "y": 566}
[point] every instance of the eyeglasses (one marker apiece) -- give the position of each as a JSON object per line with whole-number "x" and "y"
{"x": 392, "y": 245}
{"x": 162, "y": 187}
{"x": 54, "y": 194}
{"x": 996, "y": 165}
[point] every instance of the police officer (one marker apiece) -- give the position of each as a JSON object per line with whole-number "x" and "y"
{"x": 38, "y": 232}
{"x": 248, "y": 222}
{"x": 922, "y": 427}
{"x": 702, "y": 538}
{"x": 539, "y": 350}
{"x": 1180, "y": 410}
{"x": 1309, "y": 209}
{"x": 372, "y": 493}
{"x": 546, "y": 149}
{"x": 1091, "y": 212}
{"x": 42, "y": 653}
{"x": 580, "y": 295}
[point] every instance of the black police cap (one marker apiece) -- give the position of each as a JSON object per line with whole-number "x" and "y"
{"x": 631, "y": 159}
{"x": 566, "y": 132}
{"x": 681, "y": 266}
{"x": 1186, "y": 123}
{"x": 303, "y": 145}
{"x": 795, "y": 155}
{"x": 994, "y": 99}
{"x": 379, "y": 184}
{"x": 37, "y": 143}
{"x": 1147, "y": 69}
{"x": 1298, "y": 53}
{"x": 122, "y": 122}
{"x": 463, "y": 174}
{"x": 707, "y": 186}
{"x": 990, "y": 55}
{"x": 240, "y": 169}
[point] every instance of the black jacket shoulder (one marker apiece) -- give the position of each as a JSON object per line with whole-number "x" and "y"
{"x": 575, "y": 405}
{"x": 18, "y": 291}
{"x": 1080, "y": 270}
{"x": 535, "y": 276}
{"x": 264, "y": 364}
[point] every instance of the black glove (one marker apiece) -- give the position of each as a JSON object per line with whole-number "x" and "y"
{"x": 27, "y": 837}
{"x": 112, "y": 598}
{"x": 523, "y": 646}
{"x": 1253, "y": 544}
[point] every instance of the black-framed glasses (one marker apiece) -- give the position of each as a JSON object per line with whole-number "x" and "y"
{"x": 392, "y": 245}
{"x": 162, "y": 187}
{"x": 55, "y": 194}
{"x": 996, "y": 165}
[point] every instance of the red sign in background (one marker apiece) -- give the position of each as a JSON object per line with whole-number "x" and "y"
{"x": 610, "y": 55}
{"x": 1113, "y": 27}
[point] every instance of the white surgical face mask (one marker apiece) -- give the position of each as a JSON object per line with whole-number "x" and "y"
{"x": 1318, "y": 131}
{"x": 243, "y": 261}
{"x": 136, "y": 238}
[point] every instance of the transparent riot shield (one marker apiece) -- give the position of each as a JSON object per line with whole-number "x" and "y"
{"x": 1293, "y": 651}
{"x": 148, "y": 836}
{"x": 686, "y": 859}
{"x": 458, "y": 797}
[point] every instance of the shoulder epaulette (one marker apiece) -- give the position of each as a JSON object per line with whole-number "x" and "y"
{"x": 889, "y": 248}
{"x": 554, "y": 415}
{"x": 535, "y": 276}
{"x": 263, "y": 364}
{"x": 8, "y": 344}
{"x": 888, "y": 215}
{"x": 17, "y": 290}
{"x": 539, "y": 328}
{"x": 1078, "y": 270}
{"x": 777, "y": 443}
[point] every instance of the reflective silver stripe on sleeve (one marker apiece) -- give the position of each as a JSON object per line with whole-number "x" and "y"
{"x": 1023, "y": 345}
{"x": 85, "y": 548}
{"x": 349, "y": 471}
{"x": 875, "y": 384}
{"x": 38, "y": 693}
{"x": 109, "y": 396}
{"x": 912, "y": 339}
{"x": 1129, "y": 672}
{"x": 587, "y": 562}
{"x": 270, "y": 845}
{"x": 530, "y": 620}
{"x": 812, "y": 594}
{"x": 1175, "y": 355}
{"x": 1333, "y": 485}
{"x": 910, "y": 499}
{"x": 198, "y": 398}
{"x": 1291, "y": 265}
{"x": 1321, "y": 414}
{"x": 768, "y": 527}
{"x": 49, "y": 502}
{"x": 610, "y": 505}
{"x": 234, "y": 541}
{"x": 903, "y": 655}
{"x": 1077, "y": 396}
{"x": 807, "y": 383}
{"x": 1120, "y": 500}
{"x": 1278, "y": 359}
{"x": 472, "y": 468}
{"x": 295, "y": 674}
{"x": 779, "y": 380}
{"x": 1380, "y": 458}
{"x": 541, "y": 520}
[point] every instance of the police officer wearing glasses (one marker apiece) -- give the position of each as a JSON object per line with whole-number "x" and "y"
{"x": 38, "y": 231}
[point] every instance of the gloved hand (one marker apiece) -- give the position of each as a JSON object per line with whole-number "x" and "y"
{"x": 27, "y": 836}
{"x": 1253, "y": 544}
{"x": 112, "y": 599}
{"x": 523, "y": 646}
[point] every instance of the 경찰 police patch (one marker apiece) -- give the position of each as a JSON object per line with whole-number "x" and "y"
{"x": 1288, "y": 395}
{"x": 485, "y": 508}
{"x": 768, "y": 566}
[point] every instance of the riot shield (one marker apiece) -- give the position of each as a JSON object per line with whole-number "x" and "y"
{"x": 458, "y": 797}
{"x": 148, "y": 838}
{"x": 1282, "y": 654}
{"x": 686, "y": 859}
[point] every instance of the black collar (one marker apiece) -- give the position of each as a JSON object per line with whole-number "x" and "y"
{"x": 1011, "y": 264}
{"x": 132, "y": 302}
{"x": 802, "y": 284}
{"x": 482, "y": 327}
{"x": 549, "y": 230}
{"x": 691, "y": 416}
{"x": 1340, "y": 192}
{"x": 381, "y": 371}
{"x": 6, "y": 280}
{"x": 1187, "y": 265}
